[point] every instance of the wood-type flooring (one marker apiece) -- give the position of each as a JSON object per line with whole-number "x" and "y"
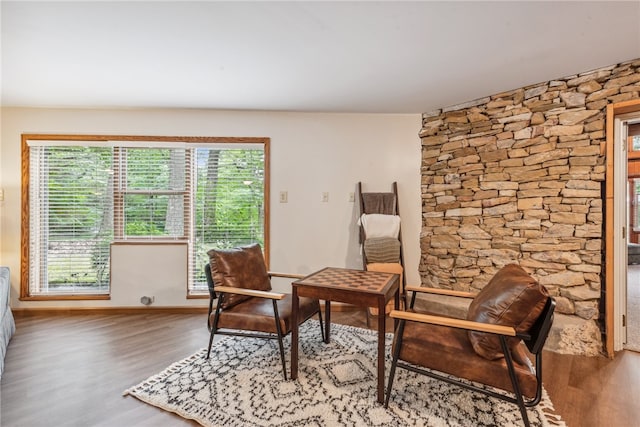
{"x": 71, "y": 369}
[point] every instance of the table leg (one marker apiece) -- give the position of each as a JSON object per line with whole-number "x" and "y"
{"x": 294, "y": 333}
{"x": 327, "y": 321}
{"x": 381, "y": 342}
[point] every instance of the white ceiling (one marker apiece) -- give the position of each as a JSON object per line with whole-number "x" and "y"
{"x": 361, "y": 56}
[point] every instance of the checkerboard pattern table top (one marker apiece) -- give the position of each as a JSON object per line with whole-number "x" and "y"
{"x": 364, "y": 281}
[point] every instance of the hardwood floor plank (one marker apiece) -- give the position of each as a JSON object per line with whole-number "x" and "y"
{"x": 594, "y": 391}
{"x": 71, "y": 369}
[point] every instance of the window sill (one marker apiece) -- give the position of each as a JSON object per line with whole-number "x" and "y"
{"x": 198, "y": 296}
{"x": 62, "y": 297}
{"x": 180, "y": 241}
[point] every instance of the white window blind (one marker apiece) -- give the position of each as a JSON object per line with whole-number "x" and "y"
{"x": 71, "y": 221}
{"x": 152, "y": 198}
{"x": 229, "y": 204}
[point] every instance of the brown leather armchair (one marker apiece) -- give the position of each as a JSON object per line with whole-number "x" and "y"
{"x": 510, "y": 315}
{"x": 246, "y": 305}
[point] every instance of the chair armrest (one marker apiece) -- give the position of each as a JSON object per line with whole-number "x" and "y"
{"x": 249, "y": 292}
{"x": 439, "y": 291}
{"x": 287, "y": 275}
{"x": 453, "y": 323}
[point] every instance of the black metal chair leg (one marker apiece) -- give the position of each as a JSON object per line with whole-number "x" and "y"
{"x": 413, "y": 299}
{"x": 514, "y": 381}
{"x": 392, "y": 374}
{"x": 284, "y": 364}
{"x": 394, "y": 362}
{"x": 280, "y": 344}
{"x": 214, "y": 326}
{"x": 211, "y": 334}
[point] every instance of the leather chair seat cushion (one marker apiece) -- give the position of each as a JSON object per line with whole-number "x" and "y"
{"x": 511, "y": 298}
{"x": 241, "y": 267}
{"x": 256, "y": 314}
{"x": 449, "y": 350}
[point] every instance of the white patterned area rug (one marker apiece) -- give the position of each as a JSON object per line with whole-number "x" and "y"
{"x": 242, "y": 385}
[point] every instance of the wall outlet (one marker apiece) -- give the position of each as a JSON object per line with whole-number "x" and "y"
{"x": 325, "y": 196}
{"x": 284, "y": 197}
{"x": 145, "y": 300}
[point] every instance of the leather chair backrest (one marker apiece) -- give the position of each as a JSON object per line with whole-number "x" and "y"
{"x": 241, "y": 267}
{"x": 511, "y": 298}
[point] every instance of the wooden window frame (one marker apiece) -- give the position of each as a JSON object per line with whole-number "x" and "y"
{"x": 25, "y": 202}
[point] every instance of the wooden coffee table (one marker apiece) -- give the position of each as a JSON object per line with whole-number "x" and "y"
{"x": 357, "y": 287}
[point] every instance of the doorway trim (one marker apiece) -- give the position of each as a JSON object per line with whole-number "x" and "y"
{"x": 612, "y": 289}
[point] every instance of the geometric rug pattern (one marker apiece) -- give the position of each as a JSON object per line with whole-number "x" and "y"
{"x": 242, "y": 385}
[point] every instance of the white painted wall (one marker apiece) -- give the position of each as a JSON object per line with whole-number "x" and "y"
{"x": 137, "y": 271}
{"x": 311, "y": 153}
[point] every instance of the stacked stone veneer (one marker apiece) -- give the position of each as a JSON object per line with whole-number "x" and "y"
{"x": 518, "y": 177}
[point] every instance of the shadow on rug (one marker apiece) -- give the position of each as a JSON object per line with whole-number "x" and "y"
{"x": 242, "y": 385}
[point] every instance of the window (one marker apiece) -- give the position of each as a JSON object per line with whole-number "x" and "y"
{"x": 84, "y": 193}
{"x": 229, "y": 190}
{"x": 69, "y": 224}
{"x": 152, "y": 197}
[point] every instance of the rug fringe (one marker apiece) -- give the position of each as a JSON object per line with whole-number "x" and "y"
{"x": 176, "y": 411}
{"x": 547, "y": 409}
{"x": 173, "y": 368}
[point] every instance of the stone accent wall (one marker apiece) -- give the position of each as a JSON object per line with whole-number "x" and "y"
{"x": 518, "y": 177}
